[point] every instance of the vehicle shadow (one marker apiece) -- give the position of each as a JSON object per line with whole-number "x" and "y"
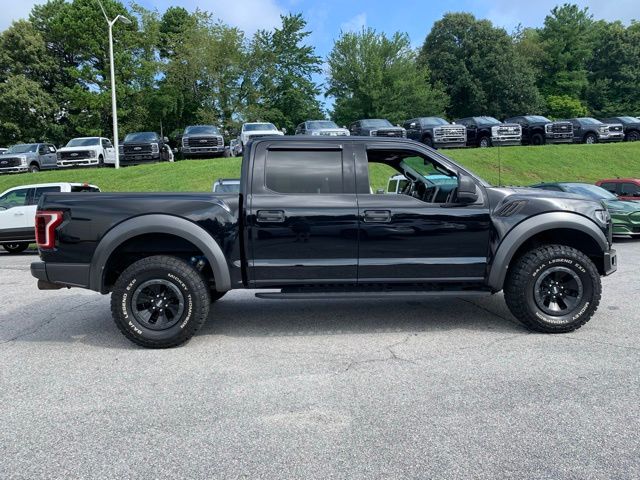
{"x": 239, "y": 315}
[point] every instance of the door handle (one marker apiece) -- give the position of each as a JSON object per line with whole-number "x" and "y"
{"x": 270, "y": 216}
{"x": 18, "y": 214}
{"x": 378, "y": 216}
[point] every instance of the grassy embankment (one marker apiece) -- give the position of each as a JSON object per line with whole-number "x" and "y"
{"x": 519, "y": 166}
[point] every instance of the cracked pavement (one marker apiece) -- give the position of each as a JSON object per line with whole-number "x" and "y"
{"x": 362, "y": 389}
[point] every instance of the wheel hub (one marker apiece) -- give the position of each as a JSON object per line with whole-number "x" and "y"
{"x": 558, "y": 291}
{"x": 157, "y": 304}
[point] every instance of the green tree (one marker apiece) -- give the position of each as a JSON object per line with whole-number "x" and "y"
{"x": 373, "y": 76}
{"x": 566, "y": 42}
{"x": 480, "y": 67}
{"x": 283, "y": 66}
{"x": 565, "y": 106}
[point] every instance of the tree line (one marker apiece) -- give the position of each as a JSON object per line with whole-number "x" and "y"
{"x": 182, "y": 68}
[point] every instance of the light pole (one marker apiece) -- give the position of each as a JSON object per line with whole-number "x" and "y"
{"x": 114, "y": 108}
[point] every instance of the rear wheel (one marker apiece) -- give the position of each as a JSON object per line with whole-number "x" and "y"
{"x": 537, "y": 139}
{"x": 16, "y": 247}
{"x": 160, "y": 302}
{"x": 590, "y": 138}
{"x": 34, "y": 168}
{"x": 485, "y": 142}
{"x": 553, "y": 289}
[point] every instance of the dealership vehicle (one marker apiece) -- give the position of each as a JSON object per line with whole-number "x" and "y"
{"x": 145, "y": 147}
{"x": 325, "y": 128}
{"x": 18, "y": 211}
{"x": 29, "y": 157}
{"x": 539, "y": 130}
{"x": 630, "y": 127}
{"x": 489, "y": 132}
{"x": 625, "y": 215}
{"x": 251, "y": 131}
{"x": 235, "y": 147}
{"x": 589, "y": 130}
{"x": 202, "y": 141}
{"x": 226, "y": 185}
{"x": 87, "y": 152}
{"x": 436, "y": 132}
{"x": 376, "y": 127}
{"x": 623, "y": 188}
{"x": 306, "y": 223}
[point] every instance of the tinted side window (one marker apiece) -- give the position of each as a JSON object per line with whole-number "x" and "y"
{"x": 630, "y": 189}
{"x": 611, "y": 187}
{"x": 40, "y": 191}
{"x": 15, "y": 198}
{"x": 311, "y": 171}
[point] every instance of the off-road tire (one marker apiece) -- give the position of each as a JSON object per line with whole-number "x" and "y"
{"x": 17, "y": 247}
{"x": 484, "y": 142}
{"x": 590, "y": 138}
{"x": 179, "y": 278}
{"x": 524, "y": 279}
{"x": 537, "y": 139}
{"x": 34, "y": 168}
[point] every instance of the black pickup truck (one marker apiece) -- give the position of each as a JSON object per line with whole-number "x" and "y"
{"x": 144, "y": 147}
{"x": 306, "y": 223}
{"x": 539, "y": 130}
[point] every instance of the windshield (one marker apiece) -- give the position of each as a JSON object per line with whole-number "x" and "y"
{"x": 83, "y": 142}
{"x": 434, "y": 121}
{"x": 590, "y": 121}
{"x": 590, "y": 191}
{"x": 376, "y": 122}
{"x": 23, "y": 148}
{"x": 317, "y": 124}
{"x": 487, "y": 121}
{"x": 250, "y": 127}
{"x": 537, "y": 118}
{"x": 628, "y": 119}
{"x": 202, "y": 130}
{"x": 141, "y": 137}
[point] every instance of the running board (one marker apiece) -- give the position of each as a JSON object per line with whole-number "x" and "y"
{"x": 372, "y": 294}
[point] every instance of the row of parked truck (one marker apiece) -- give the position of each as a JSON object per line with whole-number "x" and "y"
{"x": 206, "y": 141}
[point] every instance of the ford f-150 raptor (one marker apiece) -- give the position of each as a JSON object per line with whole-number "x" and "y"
{"x": 306, "y": 223}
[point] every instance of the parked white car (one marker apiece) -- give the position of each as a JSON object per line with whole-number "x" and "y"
{"x": 256, "y": 130}
{"x": 87, "y": 152}
{"x": 18, "y": 211}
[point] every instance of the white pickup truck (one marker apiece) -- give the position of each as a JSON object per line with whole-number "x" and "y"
{"x": 87, "y": 152}
{"x": 18, "y": 211}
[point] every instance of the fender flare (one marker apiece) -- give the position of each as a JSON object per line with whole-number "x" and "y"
{"x": 528, "y": 228}
{"x": 157, "y": 223}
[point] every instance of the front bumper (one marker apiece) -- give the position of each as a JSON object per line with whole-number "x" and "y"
{"x": 610, "y": 263}
{"x": 559, "y": 138}
{"x": 135, "y": 159}
{"x": 202, "y": 150}
{"x": 19, "y": 169}
{"x": 506, "y": 141}
{"x": 612, "y": 137}
{"x": 458, "y": 143}
{"x": 84, "y": 162}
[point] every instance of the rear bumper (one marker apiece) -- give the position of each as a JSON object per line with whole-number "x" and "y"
{"x": 58, "y": 275}
{"x": 610, "y": 262}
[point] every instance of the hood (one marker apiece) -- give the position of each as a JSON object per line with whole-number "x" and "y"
{"x": 331, "y": 130}
{"x": 14, "y": 155}
{"x": 622, "y": 206}
{"x": 527, "y": 192}
{"x": 262, "y": 132}
{"x": 78, "y": 149}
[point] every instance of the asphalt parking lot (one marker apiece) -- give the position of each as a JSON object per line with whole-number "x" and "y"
{"x": 435, "y": 388}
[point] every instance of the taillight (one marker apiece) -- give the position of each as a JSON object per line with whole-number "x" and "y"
{"x": 46, "y": 223}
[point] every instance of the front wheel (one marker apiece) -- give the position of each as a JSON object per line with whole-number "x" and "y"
{"x": 553, "y": 289}
{"x": 590, "y": 139}
{"x": 485, "y": 142}
{"x": 537, "y": 139}
{"x": 160, "y": 302}
{"x": 16, "y": 247}
{"x": 34, "y": 168}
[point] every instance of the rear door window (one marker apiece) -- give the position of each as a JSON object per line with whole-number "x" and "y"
{"x": 304, "y": 172}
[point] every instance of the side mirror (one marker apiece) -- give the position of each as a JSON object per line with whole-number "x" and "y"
{"x": 412, "y": 125}
{"x": 165, "y": 139}
{"x": 467, "y": 190}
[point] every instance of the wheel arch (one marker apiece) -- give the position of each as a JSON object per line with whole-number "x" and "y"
{"x": 161, "y": 225}
{"x": 562, "y": 228}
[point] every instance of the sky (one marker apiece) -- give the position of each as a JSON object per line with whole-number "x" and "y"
{"x": 327, "y": 18}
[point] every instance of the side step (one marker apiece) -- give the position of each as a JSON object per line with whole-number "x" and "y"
{"x": 336, "y": 295}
